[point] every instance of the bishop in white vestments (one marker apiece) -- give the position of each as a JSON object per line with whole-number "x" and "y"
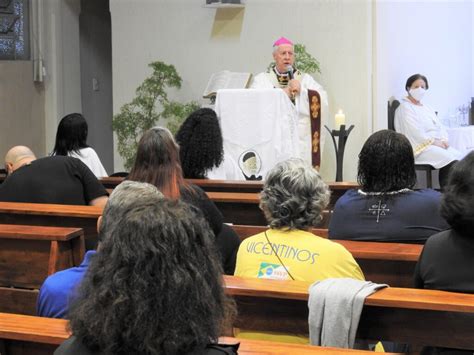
{"x": 283, "y": 75}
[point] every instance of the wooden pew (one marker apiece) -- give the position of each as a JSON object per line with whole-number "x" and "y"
{"x": 20, "y": 334}
{"x": 41, "y": 214}
{"x": 36, "y": 335}
{"x": 390, "y": 263}
{"x": 236, "y": 208}
{"x": 28, "y": 254}
{"x": 239, "y": 200}
{"x": 243, "y": 208}
{"x": 411, "y": 316}
{"x": 419, "y": 317}
{"x": 337, "y": 188}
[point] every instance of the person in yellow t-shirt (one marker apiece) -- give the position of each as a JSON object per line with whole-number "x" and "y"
{"x": 292, "y": 200}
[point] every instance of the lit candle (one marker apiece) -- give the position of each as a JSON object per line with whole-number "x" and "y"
{"x": 340, "y": 119}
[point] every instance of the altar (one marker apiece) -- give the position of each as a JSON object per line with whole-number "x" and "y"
{"x": 259, "y": 129}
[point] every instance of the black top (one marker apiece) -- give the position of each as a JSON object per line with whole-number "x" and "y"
{"x": 227, "y": 241}
{"x": 73, "y": 346}
{"x": 57, "y": 179}
{"x": 196, "y": 196}
{"x": 447, "y": 263}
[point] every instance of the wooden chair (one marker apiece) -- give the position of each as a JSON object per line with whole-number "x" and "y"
{"x": 426, "y": 168}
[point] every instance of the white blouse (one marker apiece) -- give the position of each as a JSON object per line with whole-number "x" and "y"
{"x": 89, "y": 157}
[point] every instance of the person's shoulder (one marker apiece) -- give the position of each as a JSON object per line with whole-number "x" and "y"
{"x": 254, "y": 238}
{"x": 260, "y": 78}
{"x": 351, "y": 193}
{"x": 60, "y": 279}
{"x": 88, "y": 152}
{"x": 348, "y": 197}
{"x": 53, "y": 161}
{"x": 426, "y": 195}
{"x": 308, "y": 80}
{"x": 221, "y": 349}
{"x": 72, "y": 346}
{"x": 192, "y": 191}
{"x": 439, "y": 238}
{"x": 58, "y": 159}
{"x": 405, "y": 105}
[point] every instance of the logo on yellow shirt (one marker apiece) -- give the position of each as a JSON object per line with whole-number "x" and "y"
{"x": 272, "y": 271}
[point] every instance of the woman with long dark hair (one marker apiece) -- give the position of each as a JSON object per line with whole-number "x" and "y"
{"x": 157, "y": 162}
{"x": 154, "y": 287}
{"x": 386, "y": 208}
{"x": 71, "y": 140}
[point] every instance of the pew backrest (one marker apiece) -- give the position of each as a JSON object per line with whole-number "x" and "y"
{"x": 28, "y": 254}
{"x": 43, "y": 214}
{"x": 413, "y": 316}
{"x": 29, "y": 333}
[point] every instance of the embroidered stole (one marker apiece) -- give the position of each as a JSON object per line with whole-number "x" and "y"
{"x": 315, "y": 116}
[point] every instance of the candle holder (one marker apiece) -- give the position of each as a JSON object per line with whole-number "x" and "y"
{"x": 339, "y": 147}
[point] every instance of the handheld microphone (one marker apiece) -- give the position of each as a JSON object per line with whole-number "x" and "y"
{"x": 289, "y": 69}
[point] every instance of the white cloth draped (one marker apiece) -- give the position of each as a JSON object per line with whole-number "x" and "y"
{"x": 421, "y": 126}
{"x": 462, "y": 139}
{"x": 262, "y": 122}
{"x": 269, "y": 81}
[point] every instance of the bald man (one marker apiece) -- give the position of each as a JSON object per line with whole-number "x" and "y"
{"x": 56, "y": 179}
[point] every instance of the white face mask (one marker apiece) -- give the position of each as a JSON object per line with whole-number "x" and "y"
{"x": 417, "y": 93}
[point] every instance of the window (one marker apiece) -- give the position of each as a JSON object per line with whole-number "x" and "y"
{"x": 14, "y": 30}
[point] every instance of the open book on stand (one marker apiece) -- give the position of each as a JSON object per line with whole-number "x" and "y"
{"x": 226, "y": 80}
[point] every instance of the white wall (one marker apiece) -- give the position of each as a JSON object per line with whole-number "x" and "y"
{"x": 199, "y": 41}
{"x": 434, "y": 38}
{"x": 22, "y": 108}
{"x": 33, "y": 110}
{"x": 62, "y": 63}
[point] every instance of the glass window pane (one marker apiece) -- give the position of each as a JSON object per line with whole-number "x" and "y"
{"x": 14, "y": 30}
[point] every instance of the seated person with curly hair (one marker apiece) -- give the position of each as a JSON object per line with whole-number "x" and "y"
{"x": 292, "y": 200}
{"x": 386, "y": 208}
{"x": 447, "y": 260}
{"x": 58, "y": 290}
{"x": 200, "y": 141}
{"x": 154, "y": 287}
{"x": 201, "y": 147}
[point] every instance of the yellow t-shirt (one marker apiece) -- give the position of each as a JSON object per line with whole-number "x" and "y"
{"x": 304, "y": 255}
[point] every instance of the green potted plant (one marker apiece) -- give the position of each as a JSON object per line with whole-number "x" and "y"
{"x": 150, "y": 104}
